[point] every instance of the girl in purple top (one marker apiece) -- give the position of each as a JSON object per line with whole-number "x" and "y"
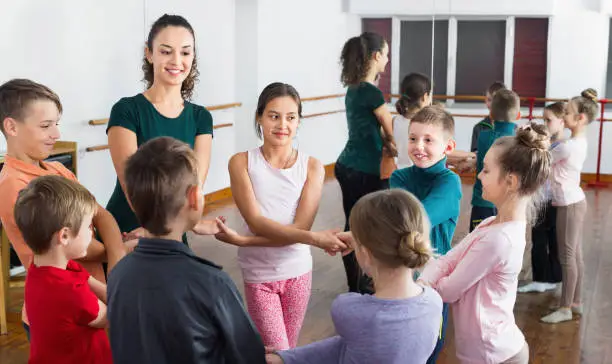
{"x": 400, "y": 323}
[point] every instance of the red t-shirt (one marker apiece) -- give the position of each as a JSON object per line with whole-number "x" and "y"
{"x": 60, "y": 306}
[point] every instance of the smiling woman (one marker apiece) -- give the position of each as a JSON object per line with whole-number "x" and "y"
{"x": 170, "y": 71}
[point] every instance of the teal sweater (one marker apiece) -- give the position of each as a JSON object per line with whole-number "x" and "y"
{"x": 439, "y": 190}
{"x": 485, "y": 141}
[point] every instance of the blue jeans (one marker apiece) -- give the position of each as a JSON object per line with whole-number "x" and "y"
{"x": 434, "y": 356}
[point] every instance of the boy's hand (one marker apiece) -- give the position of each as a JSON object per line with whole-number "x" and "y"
{"x": 208, "y": 227}
{"x": 227, "y": 235}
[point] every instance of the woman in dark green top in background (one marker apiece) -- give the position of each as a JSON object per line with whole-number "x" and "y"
{"x": 170, "y": 70}
{"x": 358, "y": 167}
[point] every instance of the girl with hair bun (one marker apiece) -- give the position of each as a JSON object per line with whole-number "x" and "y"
{"x": 400, "y": 323}
{"x": 479, "y": 276}
{"x": 416, "y": 94}
{"x": 568, "y": 197}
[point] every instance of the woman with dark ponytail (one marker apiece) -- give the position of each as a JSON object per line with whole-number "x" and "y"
{"x": 358, "y": 166}
{"x": 170, "y": 73}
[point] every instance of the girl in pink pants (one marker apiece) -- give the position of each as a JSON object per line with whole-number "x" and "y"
{"x": 277, "y": 190}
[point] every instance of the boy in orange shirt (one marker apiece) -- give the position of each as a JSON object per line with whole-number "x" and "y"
{"x": 29, "y": 117}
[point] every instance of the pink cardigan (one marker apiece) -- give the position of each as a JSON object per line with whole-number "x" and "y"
{"x": 479, "y": 278}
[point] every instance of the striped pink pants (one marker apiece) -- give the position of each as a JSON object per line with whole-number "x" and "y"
{"x": 278, "y": 309}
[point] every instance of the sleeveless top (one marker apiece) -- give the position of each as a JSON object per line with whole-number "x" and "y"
{"x": 278, "y": 193}
{"x": 400, "y": 133}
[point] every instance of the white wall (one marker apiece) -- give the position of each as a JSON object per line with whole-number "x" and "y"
{"x": 447, "y": 7}
{"x": 298, "y": 42}
{"x": 93, "y": 59}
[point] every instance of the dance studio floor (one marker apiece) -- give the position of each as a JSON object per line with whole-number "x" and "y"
{"x": 588, "y": 340}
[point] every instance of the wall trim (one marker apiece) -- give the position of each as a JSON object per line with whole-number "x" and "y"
{"x": 223, "y": 195}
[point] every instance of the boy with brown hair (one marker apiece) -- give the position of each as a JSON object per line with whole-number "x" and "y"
{"x": 66, "y": 306}
{"x": 430, "y": 141}
{"x": 166, "y": 305}
{"x": 29, "y": 117}
{"x": 486, "y": 123}
{"x": 505, "y": 110}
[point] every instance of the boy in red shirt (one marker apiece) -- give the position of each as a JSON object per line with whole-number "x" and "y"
{"x": 29, "y": 117}
{"x": 66, "y": 306}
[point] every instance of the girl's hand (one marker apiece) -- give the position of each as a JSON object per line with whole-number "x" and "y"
{"x": 134, "y": 234}
{"x": 347, "y": 238}
{"x": 130, "y": 245}
{"x": 228, "y": 235}
{"x": 274, "y": 359}
{"x": 328, "y": 240}
{"x": 208, "y": 227}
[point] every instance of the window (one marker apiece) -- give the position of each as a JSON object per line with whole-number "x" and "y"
{"x": 382, "y": 27}
{"x": 415, "y": 51}
{"x": 609, "y": 72}
{"x": 530, "y": 56}
{"x": 480, "y": 55}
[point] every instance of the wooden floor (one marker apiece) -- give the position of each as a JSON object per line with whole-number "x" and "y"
{"x": 588, "y": 340}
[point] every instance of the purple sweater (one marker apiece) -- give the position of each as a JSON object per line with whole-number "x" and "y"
{"x": 373, "y": 330}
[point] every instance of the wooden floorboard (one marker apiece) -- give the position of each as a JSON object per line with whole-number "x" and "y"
{"x": 586, "y": 340}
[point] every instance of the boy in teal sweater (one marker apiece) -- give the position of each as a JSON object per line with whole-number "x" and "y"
{"x": 505, "y": 107}
{"x": 430, "y": 139}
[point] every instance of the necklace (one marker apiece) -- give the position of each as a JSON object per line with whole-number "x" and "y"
{"x": 286, "y": 162}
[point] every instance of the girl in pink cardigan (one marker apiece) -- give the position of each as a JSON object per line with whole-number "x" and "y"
{"x": 479, "y": 276}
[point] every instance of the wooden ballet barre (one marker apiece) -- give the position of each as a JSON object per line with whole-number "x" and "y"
{"x": 223, "y": 106}
{"x": 209, "y": 108}
{"x": 324, "y": 97}
{"x": 96, "y": 148}
{"x": 322, "y": 114}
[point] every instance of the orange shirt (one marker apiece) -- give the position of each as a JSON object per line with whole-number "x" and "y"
{"x": 15, "y": 176}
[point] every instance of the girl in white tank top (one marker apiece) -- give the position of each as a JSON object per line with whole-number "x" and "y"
{"x": 277, "y": 190}
{"x": 416, "y": 94}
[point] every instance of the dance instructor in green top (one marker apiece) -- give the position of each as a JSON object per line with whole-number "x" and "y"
{"x": 170, "y": 70}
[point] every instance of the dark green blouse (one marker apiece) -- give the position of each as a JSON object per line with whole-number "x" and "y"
{"x": 137, "y": 114}
{"x": 363, "y": 150}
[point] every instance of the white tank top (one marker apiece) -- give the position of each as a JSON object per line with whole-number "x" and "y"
{"x": 278, "y": 193}
{"x": 400, "y": 133}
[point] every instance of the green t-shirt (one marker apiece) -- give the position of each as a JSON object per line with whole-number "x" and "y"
{"x": 137, "y": 114}
{"x": 363, "y": 150}
{"x": 485, "y": 141}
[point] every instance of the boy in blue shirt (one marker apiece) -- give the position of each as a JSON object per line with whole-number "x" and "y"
{"x": 505, "y": 108}
{"x": 430, "y": 139}
{"x": 486, "y": 123}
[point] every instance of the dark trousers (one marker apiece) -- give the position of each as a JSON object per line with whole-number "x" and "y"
{"x": 354, "y": 185}
{"x": 544, "y": 251}
{"x": 479, "y": 214}
{"x": 27, "y": 330}
{"x": 434, "y": 356}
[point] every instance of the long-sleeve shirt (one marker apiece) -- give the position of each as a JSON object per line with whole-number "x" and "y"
{"x": 479, "y": 278}
{"x": 484, "y": 124}
{"x": 568, "y": 160}
{"x": 485, "y": 141}
{"x": 374, "y": 330}
{"x": 166, "y": 305}
{"x": 439, "y": 190}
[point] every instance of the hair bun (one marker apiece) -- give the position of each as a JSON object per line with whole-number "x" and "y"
{"x": 590, "y": 94}
{"x": 534, "y": 136}
{"x": 414, "y": 250}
